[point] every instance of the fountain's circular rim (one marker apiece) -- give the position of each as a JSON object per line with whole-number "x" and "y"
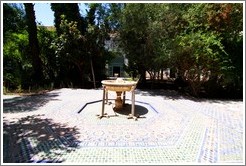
{"x": 118, "y": 83}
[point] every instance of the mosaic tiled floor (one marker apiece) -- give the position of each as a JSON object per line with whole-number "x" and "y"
{"x": 171, "y": 129}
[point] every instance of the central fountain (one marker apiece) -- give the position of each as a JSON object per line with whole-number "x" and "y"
{"x": 120, "y": 85}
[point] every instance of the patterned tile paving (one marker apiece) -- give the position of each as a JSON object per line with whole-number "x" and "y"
{"x": 170, "y": 130}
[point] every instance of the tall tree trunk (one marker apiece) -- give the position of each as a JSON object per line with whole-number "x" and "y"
{"x": 161, "y": 74}
{"x": 33, "y": 44}
{"x": 143, "y": 76}
{"x": 93, "y": 74}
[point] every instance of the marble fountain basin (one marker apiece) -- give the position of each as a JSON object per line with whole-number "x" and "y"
{"x": 119, "y": 85}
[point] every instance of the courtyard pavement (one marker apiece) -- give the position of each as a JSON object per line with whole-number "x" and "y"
{"x": 61, "y": 126}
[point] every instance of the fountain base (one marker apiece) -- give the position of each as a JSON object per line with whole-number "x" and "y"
{"x": 118, "y": 102}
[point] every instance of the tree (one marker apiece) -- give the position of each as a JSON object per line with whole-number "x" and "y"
{"x": 46, "y": 37}
{"x": 69, "y": 46}
{"x": 15, "y": 65}
{"x": 203, "y": 42}
{"x": 198, "y": 57}
{"x": 134, "y": 37}
{"x": 195, "y": 39}
{"x": 15, "y": 42}
{"x": 221, "y": 24}
{"x": 228, "y": 23}
{"x": 71, "y": 12}
{"x": 13, "y": 19}
{"x": 97, "y": 32}
{"x": 33, "y": 44}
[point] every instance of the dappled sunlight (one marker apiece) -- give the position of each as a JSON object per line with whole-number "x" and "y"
{"x": 169, "y": 124}
{"x": 34, "y": 139}
{"x": 27, "y": 103}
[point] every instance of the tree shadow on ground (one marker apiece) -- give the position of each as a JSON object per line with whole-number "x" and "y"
{"x": 27, "y": 103}
{"x": 33, "y": 139}
{"x": 169, "y": 94}
{"x": 177, "y": 95}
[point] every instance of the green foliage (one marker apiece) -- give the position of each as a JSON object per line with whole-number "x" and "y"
{"x": 71, "y": 12}
{"x": 47, "y": 53}
{"x": 15, "y": 62}
{"x": 97, "y": 33}
{"x": 69, "y": 52}
{"x": 208, "y": 36}
{"x": 133, "y": 34}
{"x": 80, "y": 52}
{"x": 68, "y": 44}
{"x": 199, "y": 55}
{"x": 201, "y": 41}
{"x": 13, "y": 19}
